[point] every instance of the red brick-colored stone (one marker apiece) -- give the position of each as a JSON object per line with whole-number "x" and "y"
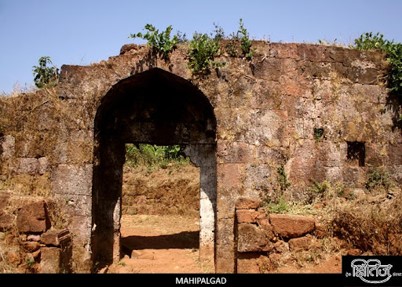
{"x": 33, "y": 218}
{"x": 251, "y": 238}
{"x": 253, "y": 263}
{"x": 246, "y": 203}
{"x": 30, "y": 246}
{"x": 55, "y": 237}
{"x": 290, "y": 226}
{"x": 301, "y": 243}
{"x": 264, "y": 224}
{"x": 247, "y": 216}
{"x": 281, "y": 246}
{"x": 50, "y": 260}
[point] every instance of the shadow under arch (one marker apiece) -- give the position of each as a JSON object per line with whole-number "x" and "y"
{"x": 155, "y": 107}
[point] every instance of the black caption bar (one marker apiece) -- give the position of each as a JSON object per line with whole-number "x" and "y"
{"x": 176, "y": 280}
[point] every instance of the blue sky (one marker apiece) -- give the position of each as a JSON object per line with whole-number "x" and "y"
{"x": 82, "y": 32}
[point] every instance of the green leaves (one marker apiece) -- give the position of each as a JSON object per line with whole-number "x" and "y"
{"x": 203, "y": 49}
{"x": 393, "y": 51}
{"x": 161, "y": 42}
{"x": 153, "y": 155}
{"x": 245, "y": 42}
{"x": 378, "y": 178}
{"x": 370, "y": 41}
{"x": 45, "y": 76}
{"x": 202, "y": 53}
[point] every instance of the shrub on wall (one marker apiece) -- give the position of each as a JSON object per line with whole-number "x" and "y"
{"x": 45, "y": 76}
{"x": 393, "y": 51}
{"x": 202, "y": 52}
{"x": 161, "y": 42}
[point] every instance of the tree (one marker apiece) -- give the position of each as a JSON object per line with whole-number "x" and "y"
{"x": 44, "y": 75}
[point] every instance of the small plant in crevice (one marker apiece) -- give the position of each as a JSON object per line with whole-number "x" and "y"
{"x": 239, "y": 43}
{"x": 282, "y": 178}
{"x": 318, "y": 134}
{"x": 30, "y": 262}
{"x": 45, "y": 75}
{"x": 202, "y": 52}
{"x": 378, "y": 178}
{"x": 281, "y": 206}
{"x": 276, "y": 198}
{"x": 320, "y": 188}
{"x": 245, "y": 42}
{"x": 162, "y": 42}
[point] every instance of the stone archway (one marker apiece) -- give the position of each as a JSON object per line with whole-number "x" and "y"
{"x": 154, "y": 107}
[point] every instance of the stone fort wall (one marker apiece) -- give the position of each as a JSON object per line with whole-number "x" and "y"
{"x": 314, "y": 112}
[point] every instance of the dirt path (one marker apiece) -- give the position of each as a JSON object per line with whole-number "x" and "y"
{"x": 169, "y": 244}
{"x": 160, "y": 244}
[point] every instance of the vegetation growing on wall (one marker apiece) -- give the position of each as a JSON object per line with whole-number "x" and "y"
{"x": 202, "y": 52}
{"x": 377, "y": 178}
{"x": 282, "y": 178}
{"x": 245, "y": 42}
{"x": 203, "y": 48}
{"x": 162, "y": 43}
{"x": 44, "y": 75}
{"x": 393, "y": 51}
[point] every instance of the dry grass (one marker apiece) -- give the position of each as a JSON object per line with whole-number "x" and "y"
{"x": 25, "y": 184}
{"x": 367, "y": 219}
{"x": 11, "y": 257}
{"x": 18, "y": 89}
{"x": 334, "y": 43}
{"x": 162, "y": 191}
{"x": 372, "y": 223}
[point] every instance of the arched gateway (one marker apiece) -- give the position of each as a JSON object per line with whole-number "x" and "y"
{"x": 154, "y": 107}
{"x": 295, "y": 113}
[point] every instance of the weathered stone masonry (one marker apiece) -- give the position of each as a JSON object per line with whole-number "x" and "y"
{"x": 320, "y": 112}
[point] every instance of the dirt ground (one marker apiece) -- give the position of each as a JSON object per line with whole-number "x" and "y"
{"x": 162, "y": 234}
{"x": 159, "y": 244}
{"x": 169, "y": 244}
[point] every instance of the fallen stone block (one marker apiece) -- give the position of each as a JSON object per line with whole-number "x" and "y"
{"x": 291, "y": 226}
{"x": 281, "y": 246}
{"x": 50, "y": 260}
{"x": 301, "y": 243}
{"x": 33, "y": 218}
{"x": 59, "y": 247}
{"x": 56, "y": 238}
{"x": 251, "y": 238}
